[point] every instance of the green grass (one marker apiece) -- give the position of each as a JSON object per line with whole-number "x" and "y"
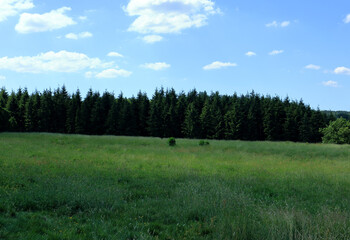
{"x": 83, "y": 187}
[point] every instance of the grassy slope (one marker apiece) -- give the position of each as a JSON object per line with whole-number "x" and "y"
{"x": 82, "y": 187}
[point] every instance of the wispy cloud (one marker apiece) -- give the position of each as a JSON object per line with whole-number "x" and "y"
{"x": 114, "y": 54}
{"x": 250, "y": 54}
{"x": 285, "y": 24}
{"x": 32, "y": 23}
{"x": 113, "y": 73}
{"x": 277, "y": 24}
{"x": 83, "y": 18}
{"x": 152, "y": 39}
{"x": 218, "y": 65}
{"x": 156, "y": 66}
{"x": 347, "y": 19}
{"x": 276, "y": 52}
{"x": 330, "y": 84}
{"x": 2, "y": 77}
{"x": 75, "y": 36}
{"x": 313, "y": 67}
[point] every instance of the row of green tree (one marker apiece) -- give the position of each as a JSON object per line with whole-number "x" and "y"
{"x": 166, "y": 114}
{"x": 338, "y": 114}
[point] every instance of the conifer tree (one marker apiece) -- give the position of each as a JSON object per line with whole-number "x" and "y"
{"x": 12, "y": 109}
{"x": 169, "y": 114}
{"x": 113, "y": 125}
{"x": 207, "y": 121}
{"x": 23, "y": 99}
{"x": 180, "y": 112}
{"x": 74, "y": 106}
{"x": 32, "y": 113}
{"x": 143, "y": 113}
{"x": 46, "y": 112}
{"x": 4, "y": 114}
{"x": 156, "y": 114}
{"x": 305, "y": 126}
{"x": 191, "y": 125}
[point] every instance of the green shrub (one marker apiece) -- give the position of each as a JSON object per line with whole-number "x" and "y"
{"x": 171, "y": 141}
{"x": 202, "y": 143}
{"x": 337, "y": 132}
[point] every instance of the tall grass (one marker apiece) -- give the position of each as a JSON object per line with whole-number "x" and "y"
{"x": 83, "y": 187}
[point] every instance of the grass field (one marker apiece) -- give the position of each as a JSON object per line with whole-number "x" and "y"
{"x": 84, "y": 187}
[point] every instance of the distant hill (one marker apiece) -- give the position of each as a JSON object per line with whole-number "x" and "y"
{"x": 338, "y": 114}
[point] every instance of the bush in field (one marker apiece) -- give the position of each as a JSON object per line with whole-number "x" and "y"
{"x": 202, "y": 143}
{"x": 337, "y": 132}
{"x": 171, "y": 141}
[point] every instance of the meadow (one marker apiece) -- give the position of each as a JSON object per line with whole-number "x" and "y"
{"x": 56, "y": 186}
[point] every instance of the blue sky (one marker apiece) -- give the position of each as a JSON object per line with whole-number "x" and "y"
{"x": 293, "y": 48}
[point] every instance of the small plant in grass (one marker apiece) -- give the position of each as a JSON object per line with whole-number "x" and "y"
{"x": 171, "y": 141}
{"x": 202, "y": 143}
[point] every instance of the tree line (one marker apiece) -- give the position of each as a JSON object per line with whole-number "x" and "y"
{"x": 166, "y": 114}
{"x": 338, "y": 114}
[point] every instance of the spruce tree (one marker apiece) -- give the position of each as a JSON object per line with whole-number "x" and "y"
{"x": 4, "y": 114}
{"x": 156, "y": 124}
{"x": 191, "y": 125}
{"x": 12, "y": 109}
{"x": 74, "y": 105}
{"x": 46, "y": 112}
{"x": 143, "y": 113}
{"x": 32, "y": 113}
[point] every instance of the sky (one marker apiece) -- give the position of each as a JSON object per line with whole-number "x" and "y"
{"x": 293, "y": 48}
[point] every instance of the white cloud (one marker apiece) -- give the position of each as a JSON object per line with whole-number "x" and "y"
{"x": 74, "y": 36}
{"x": 342, "y": 70}
{"x": 330, "y": 84}
{"x": 285, "y": 24}
{"x": 2, "y": 77}
{"x": 56, "y": 19}
{"x": 218, "y": 65}
{"x": 9, "y": 8}
{"x": 62, "y": 61}
{"x": 168, "y": 16}
{"x": 114, "y": 54}
{"x": 152, "y": 38}
{"x": 277, "y": 24}
{"x": 272, "y": 24}
{"x": 313, "y": 67}
{"x": 276, "y": 52}
{"x": 85, "y": 34}
{"x": 156, "y": 66}
{"x": 113, "y": 73}
{"x": 347, "y": 19}
{"x": 250, "y": 54}
{"x": 83, "y": 18}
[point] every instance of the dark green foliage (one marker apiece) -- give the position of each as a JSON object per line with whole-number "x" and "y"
{"x": 32, "y": 113}
{"x": 203, "y": 143}
{"x": 192, "y": 115}
{"x": 191, "y": 125}
{"x": 338, "y": 132}
{"x": 73, "y": 109}
{"x": 143, "y": 107}
{"x": 4, "y": 114}
{"x": 156, "y": 114}
{"x": 13, "y": 111}
{"x": 46, "y": 112}
{"x": 60, "y": 100}
{"x": 171, "y": 141}
{"x": 337, "y": 114}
